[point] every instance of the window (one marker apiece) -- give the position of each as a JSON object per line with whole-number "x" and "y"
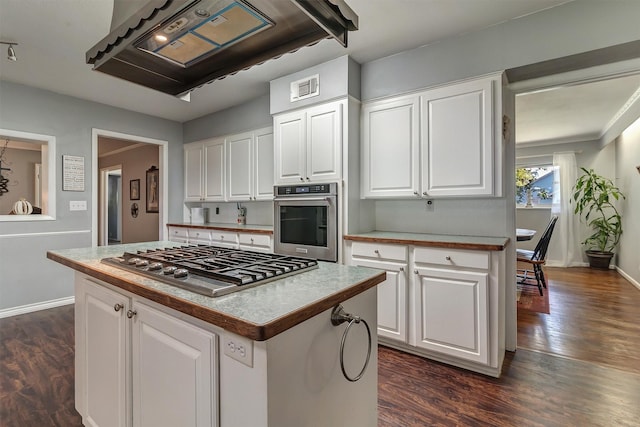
{"x": 29, "y": 177}
{"x": 534, "y": 186}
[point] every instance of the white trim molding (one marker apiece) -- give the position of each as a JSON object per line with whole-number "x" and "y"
{"x": 629, "y": 278}
{"x": 30, "y": 308}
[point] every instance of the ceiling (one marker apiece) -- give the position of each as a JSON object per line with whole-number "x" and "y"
{"x": 53, "y": 37}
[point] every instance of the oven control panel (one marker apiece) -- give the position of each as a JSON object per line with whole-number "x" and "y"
{"x": 300, "y": 190}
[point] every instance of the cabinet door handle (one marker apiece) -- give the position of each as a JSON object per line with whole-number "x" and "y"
{"x": 448, "y": 258}
{"x": 415, "y": 271}
{"x": 302, "y": 179}
{"x": 376, "y": 252}
{"x": 415, "y": 193}
{"x": 118, "y": 307}
{"x": 401, "y": 268}
{"x": 131, "y": 313}
{"x": 252, "y": 240}
{"x": 424, "y": 193}
{"x": 221, "y": 237}
{"x": 308, "y": 179}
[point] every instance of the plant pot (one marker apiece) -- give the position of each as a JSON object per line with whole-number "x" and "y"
{"x": 600, "y": 260}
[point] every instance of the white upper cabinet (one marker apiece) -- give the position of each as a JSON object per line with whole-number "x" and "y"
{"x": 457, "y": 137}
{"x": 308, "y": 144}
{"x": 390, "y": 164}
{"x": 193, "y": 171}
{"x": 263, "y": 159}
{"x": 240, "y": 166}
{"x": 250, "y": 165}
{"x": 204, "y": 170}
{"x": 442, "y": 142}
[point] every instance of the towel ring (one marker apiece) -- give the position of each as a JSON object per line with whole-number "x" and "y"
{"x": 338, "y": 316}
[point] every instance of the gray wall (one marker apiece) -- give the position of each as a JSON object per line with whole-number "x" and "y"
{"x": 572, "y": 28}
{"x": 628, "y": 179}
{"x": 250, "y": 115}
{"x": 27, "y": 276}
{"x": 338, "y": 78}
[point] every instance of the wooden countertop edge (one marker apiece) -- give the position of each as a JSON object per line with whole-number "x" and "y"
{"x": 222, "y": 228}
{"x": 227, "y": 322}
{"x": 431, "y": 243}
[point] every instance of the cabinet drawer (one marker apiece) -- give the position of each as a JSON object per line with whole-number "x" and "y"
{"x": 379, "y": 251}
{"x": 452, "y": 257}
{"x": 177, "y": 232}
{"x": 254, "y": 239}
{"x": 199, "y": 234}
{"x": 224, "y": 236}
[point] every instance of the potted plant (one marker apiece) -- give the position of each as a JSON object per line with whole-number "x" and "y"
{"x": 594, "y": 196}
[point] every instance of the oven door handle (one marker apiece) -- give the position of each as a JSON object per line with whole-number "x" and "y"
{"x": 303, "y": 199}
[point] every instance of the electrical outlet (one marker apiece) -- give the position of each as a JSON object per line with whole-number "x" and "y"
{"x": 429, "y": 205}
{"x": 238, "y": 348}
{"x": 78, "y": 205}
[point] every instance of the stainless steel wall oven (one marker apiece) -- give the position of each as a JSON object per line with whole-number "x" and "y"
{"x": 306, "y": 220}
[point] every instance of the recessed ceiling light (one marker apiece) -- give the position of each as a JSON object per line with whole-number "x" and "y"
{"x": 161, "y": 38}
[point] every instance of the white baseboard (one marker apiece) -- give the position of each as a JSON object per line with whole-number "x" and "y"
{"x": 30, "y": 308}
{"x": 629, "y": 278}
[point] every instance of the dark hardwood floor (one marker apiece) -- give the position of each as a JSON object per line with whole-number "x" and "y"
{"x": 578, "y": 366}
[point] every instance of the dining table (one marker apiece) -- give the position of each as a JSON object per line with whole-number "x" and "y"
{"x": 523, "y": 234}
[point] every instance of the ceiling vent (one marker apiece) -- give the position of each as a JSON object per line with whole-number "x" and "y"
{"x": 305, "y": 88}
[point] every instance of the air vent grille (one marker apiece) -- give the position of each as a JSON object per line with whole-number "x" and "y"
{"x": 305, "y": 88}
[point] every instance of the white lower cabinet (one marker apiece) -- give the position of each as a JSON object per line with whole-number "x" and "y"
{"x": 226, "y": 239}
{"x": 255, "y": 242}
{"x": 125, "y": 345}
{"x": 444, "y": 304}
{"x": 392, "y": 293}
{"x": 451, "y": 313}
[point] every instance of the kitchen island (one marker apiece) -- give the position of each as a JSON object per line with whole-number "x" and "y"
{"x": 148, "y": 353}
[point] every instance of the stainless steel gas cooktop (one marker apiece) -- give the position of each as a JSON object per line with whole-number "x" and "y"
{"x": 210, "y": 270}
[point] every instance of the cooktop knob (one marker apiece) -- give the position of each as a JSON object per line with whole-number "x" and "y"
{"x": 155, "y": 266}
{"x": 142, "y": 263}
{"x": 169, "y": 270}
{"x": 180, "y": 273}
{"x": 133, "y": 261}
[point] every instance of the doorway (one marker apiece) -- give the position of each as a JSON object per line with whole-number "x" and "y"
{"x": 134, "y": 156}
{"x": 111, "y": 205}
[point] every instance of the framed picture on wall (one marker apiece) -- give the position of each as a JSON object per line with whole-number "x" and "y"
{"x": 152, "y": 189}
{"x": 134, "y": 189}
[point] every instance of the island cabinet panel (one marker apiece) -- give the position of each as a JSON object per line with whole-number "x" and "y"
{"x": 102, "y": 362}
{"x": 138, "y": 366}
{"x": 174, "y": 371}
{"x": 439, "y": 142}
{"x": 308, "y": 144}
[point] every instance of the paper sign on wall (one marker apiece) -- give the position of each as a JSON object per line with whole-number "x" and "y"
{"x": 72, "y": 173}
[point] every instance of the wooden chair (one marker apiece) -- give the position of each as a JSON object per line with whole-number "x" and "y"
{"x": 536, "y": 258}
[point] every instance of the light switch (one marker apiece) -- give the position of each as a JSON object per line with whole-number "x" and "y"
{"x": 78, "y": 205}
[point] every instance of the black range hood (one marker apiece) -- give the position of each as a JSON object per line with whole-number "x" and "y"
{"x": 174, "y": 46}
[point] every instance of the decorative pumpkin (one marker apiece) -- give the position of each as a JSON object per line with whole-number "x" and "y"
{"x": 22, "y": 207}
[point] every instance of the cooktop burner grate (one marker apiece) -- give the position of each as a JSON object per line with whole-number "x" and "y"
{"x": 211, "y": 270}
